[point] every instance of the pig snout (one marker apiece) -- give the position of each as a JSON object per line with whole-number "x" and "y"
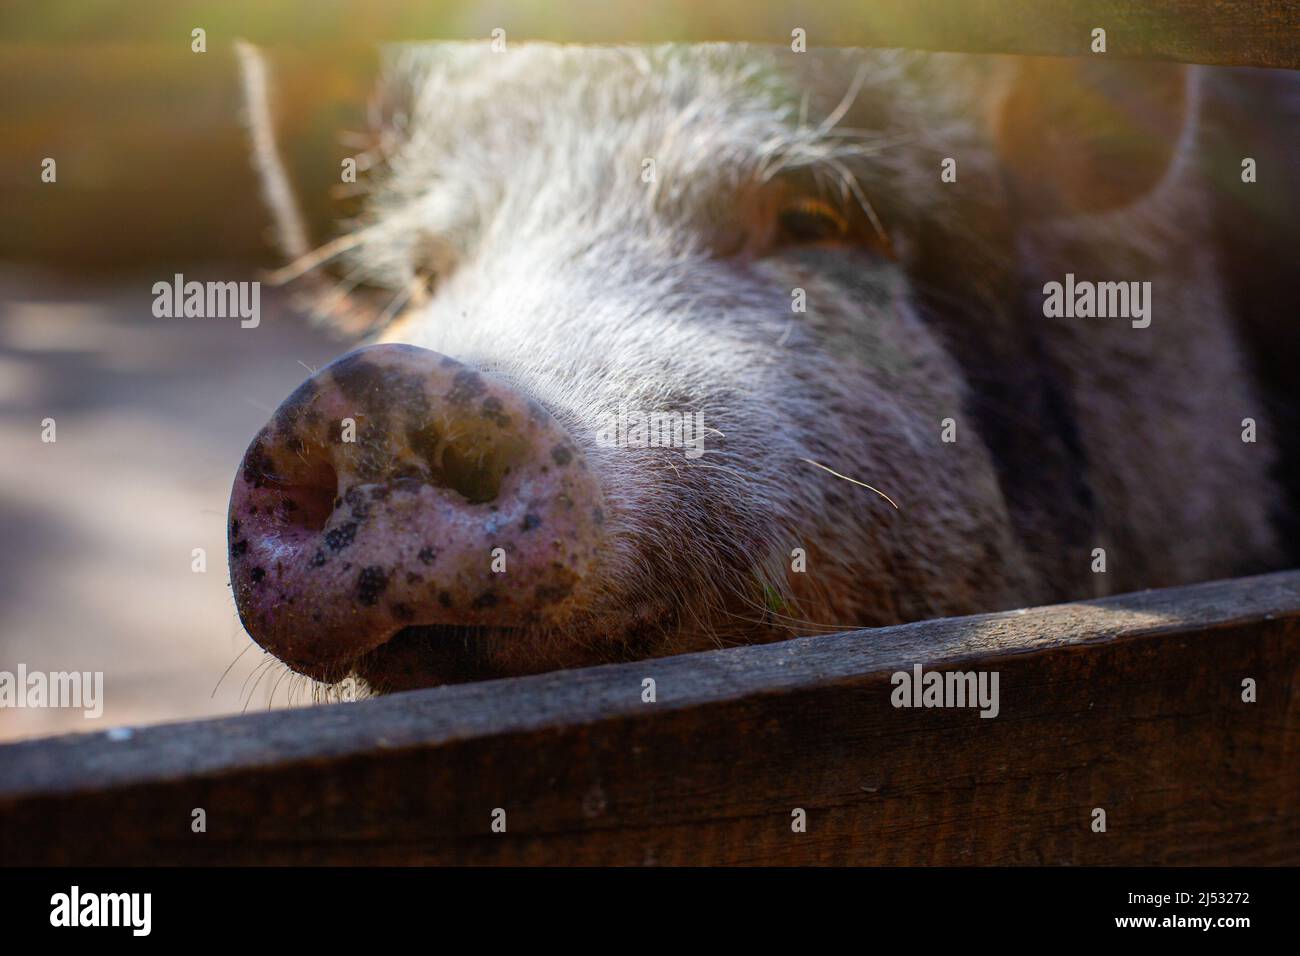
{"x": 398, "y": 487}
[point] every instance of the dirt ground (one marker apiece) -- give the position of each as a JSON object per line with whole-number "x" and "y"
{"x": 99, "y": 527}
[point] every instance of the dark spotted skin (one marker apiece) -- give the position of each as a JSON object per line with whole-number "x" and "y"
{"x": 467, "y": 386}
{"x": 338, "y": 545}
{"x": 370, "y": 584}
{"x": 257, "y": 465}
{"x": 494, "y": 412}
{"x": 336, "y": 539}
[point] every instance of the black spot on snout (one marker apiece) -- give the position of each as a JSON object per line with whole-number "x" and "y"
{"x": 465, "y": 387}
{"x": 357, "y": 502}
{"x": 357, "y": 378}
{"x": 371, "y": 583}
{"x": 562, "y": 455}
{"x": 289, "y": 416}
{"x": 495, "y": 411}
{"x": 258, "y": 465}
{"x": 339, "y": 538}
{"x": 532, "y": 521}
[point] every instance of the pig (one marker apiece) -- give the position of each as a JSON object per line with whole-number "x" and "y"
{"x": 829, "y": 271}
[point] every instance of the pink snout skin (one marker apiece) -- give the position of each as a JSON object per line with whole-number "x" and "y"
{"x": 399, "y": 487}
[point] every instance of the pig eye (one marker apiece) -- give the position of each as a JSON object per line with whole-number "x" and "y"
{"x": 811, "y": 220}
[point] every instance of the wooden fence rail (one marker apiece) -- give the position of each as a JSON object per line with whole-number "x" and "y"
{"x": 1229, "y": 32}
{"x": 1237, "y": 32}
{"x": 1132, "y": 705}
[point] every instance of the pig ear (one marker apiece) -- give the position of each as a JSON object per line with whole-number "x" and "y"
{"x": 304, "y": 111}
{"x": 1089, "y": 135}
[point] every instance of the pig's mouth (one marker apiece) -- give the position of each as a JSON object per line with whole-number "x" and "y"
{"x": 428, "y": 654}
{"x": 419, "y": 655}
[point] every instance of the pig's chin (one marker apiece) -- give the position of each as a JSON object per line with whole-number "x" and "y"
{"x": 430, "y": 654}
{"x": 421, "y": 655}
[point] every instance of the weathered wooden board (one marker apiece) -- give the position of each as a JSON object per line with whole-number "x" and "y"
{"x": 1132, "y": 704}
{"x": 1241, "y": 32}
{"x": 1236, "y": 32}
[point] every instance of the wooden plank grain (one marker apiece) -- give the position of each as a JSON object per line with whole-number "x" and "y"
{"x": 1131, "y": 704}
{"x": 1259, "y": 33}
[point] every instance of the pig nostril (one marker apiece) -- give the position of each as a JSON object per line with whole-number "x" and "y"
{"x": 308, "y": 501}
{"x": 472, "y": 462}
{"x": 476, "y": 478}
